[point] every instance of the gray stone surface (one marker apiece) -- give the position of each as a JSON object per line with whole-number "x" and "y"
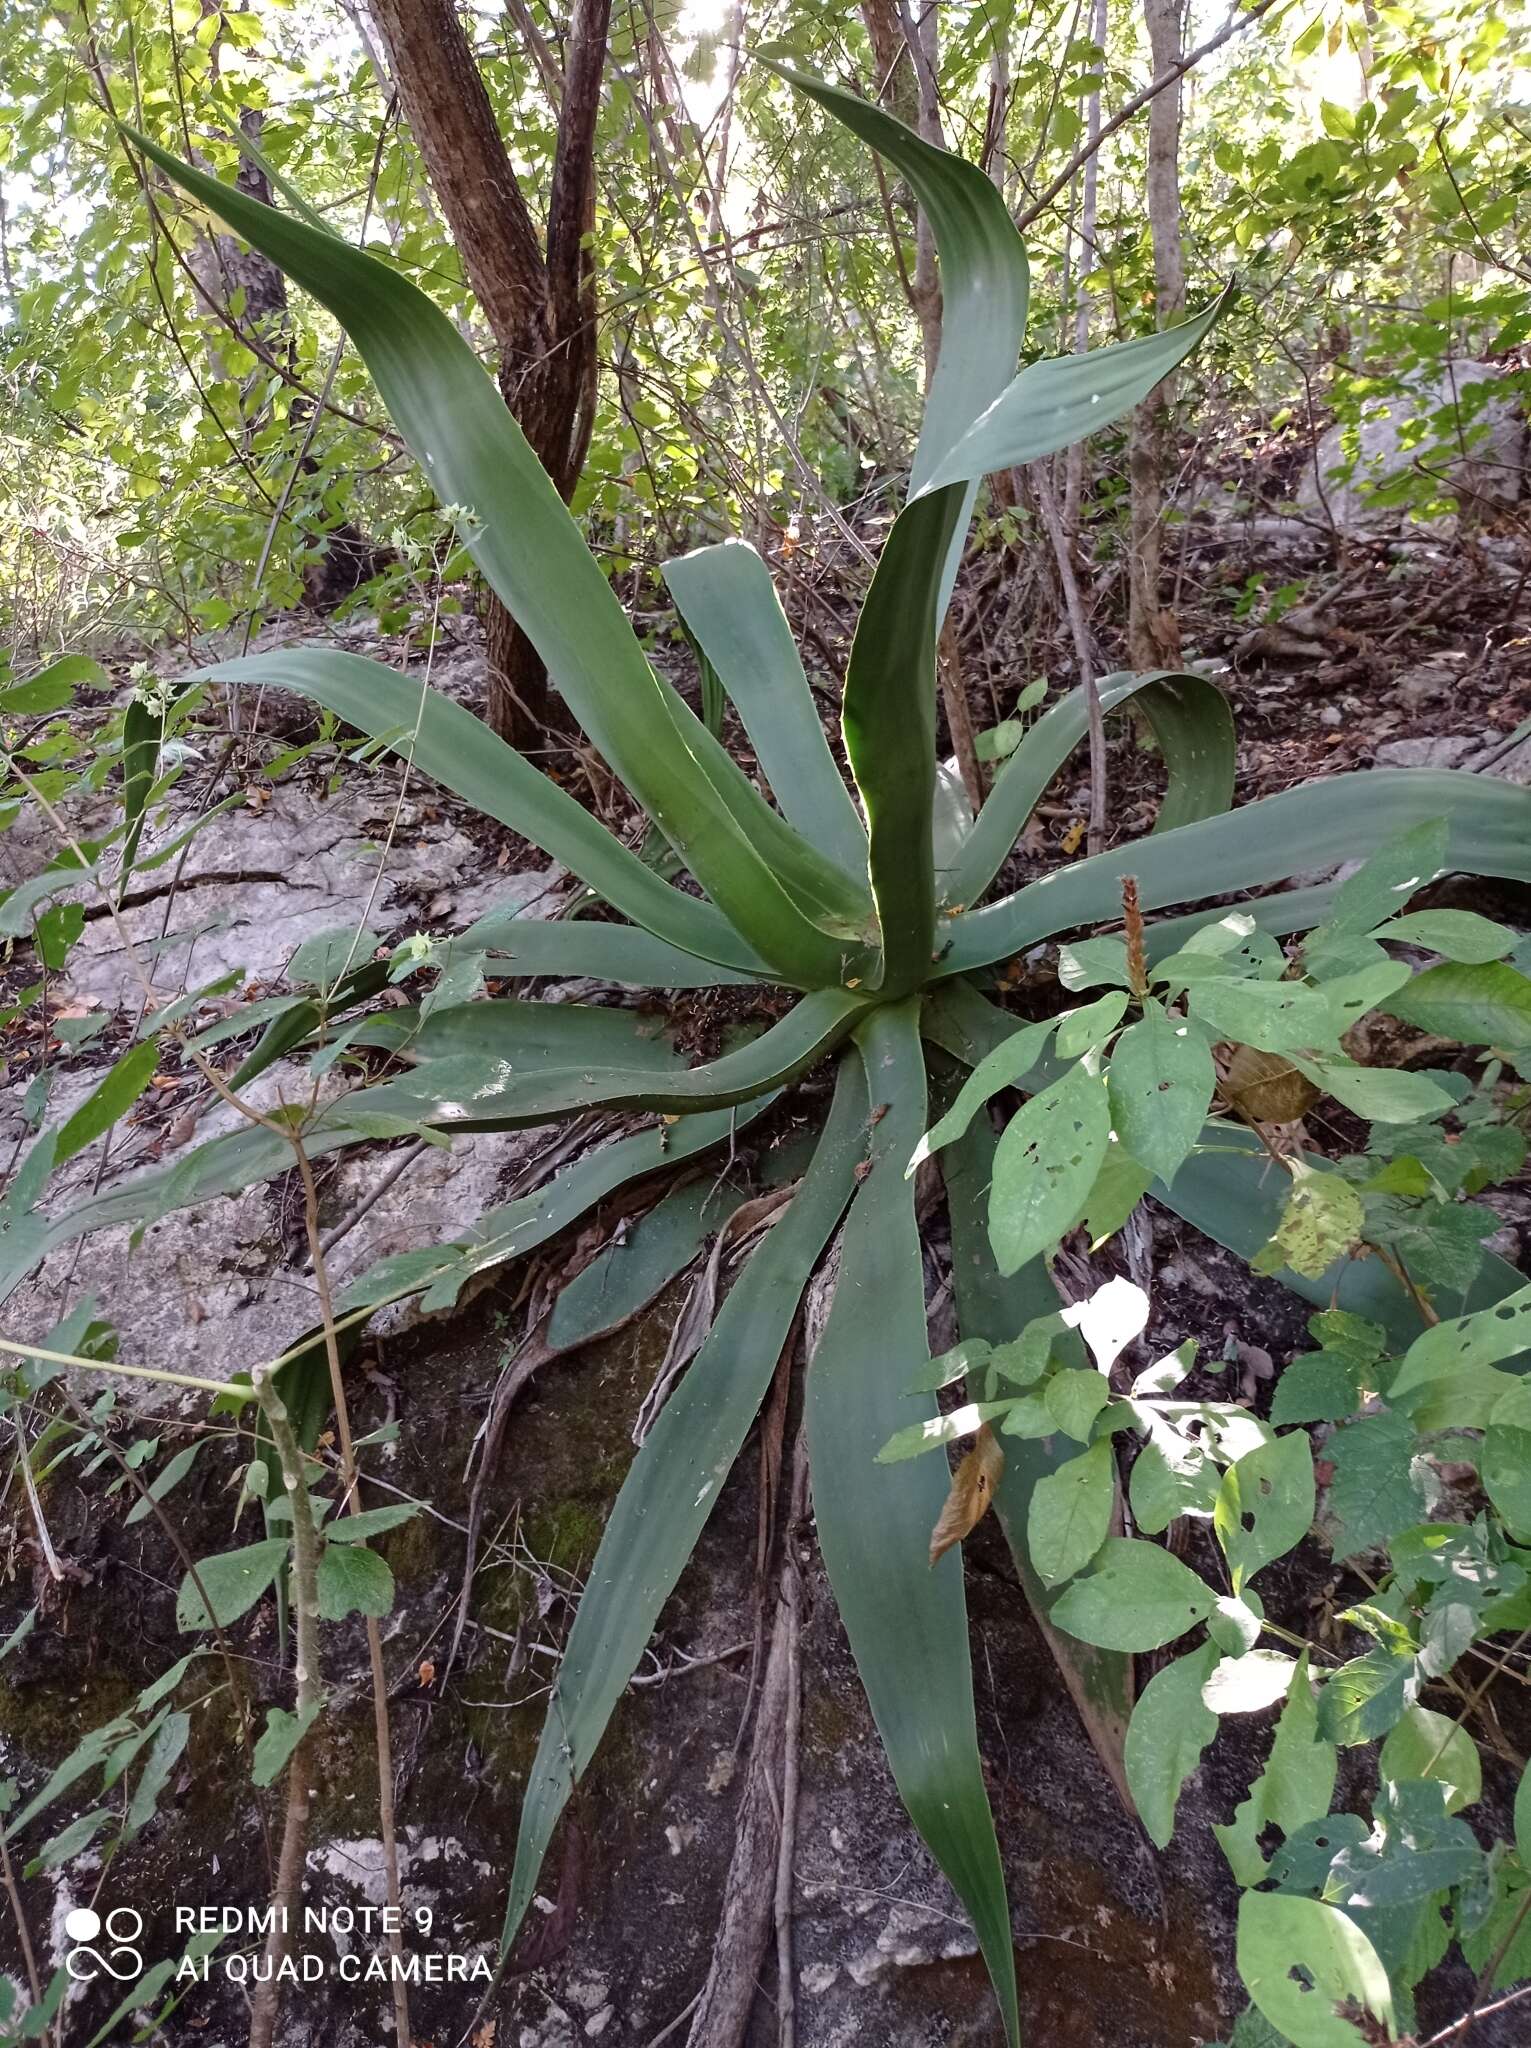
{"x": 1486, "y": 465}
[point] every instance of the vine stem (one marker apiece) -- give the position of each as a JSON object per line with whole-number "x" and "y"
{"x": 351, "y": 1505}
{"x": 307, "y": 1698}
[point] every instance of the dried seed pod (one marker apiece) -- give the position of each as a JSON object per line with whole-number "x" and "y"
{"x": 1264, "y": 1087}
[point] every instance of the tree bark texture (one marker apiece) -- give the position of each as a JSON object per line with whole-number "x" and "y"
{"x": 904, "y": 52}
{"x": 1153, "y": 634}
{"x": 539, "y": 300}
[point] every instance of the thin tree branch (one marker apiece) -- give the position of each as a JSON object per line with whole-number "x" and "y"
{"x": 1231, "y": 27}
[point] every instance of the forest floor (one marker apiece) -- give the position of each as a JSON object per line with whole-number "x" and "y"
{"x": 1419, "y": 656}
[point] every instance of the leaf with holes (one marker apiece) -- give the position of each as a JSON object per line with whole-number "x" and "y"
{"x": 1301, "y": 1960}
{"x": 1265, "y": 1505}
{"x": 1161, "y": 1082}
{"x": 1070, "y": 1514}
{"x": 1137, "y": 1598}
{"x": 1045, "y": 1167}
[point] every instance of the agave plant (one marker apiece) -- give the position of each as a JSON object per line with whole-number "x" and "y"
{"x": 833, "y": 893}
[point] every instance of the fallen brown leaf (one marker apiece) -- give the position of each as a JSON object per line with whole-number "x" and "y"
{"x": 972, "y": 1492}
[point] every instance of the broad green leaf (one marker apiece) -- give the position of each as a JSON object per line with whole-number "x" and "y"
{"x": 937, "y": 1431}
{"x": 1301, "y": 1960}
{"x": 370, "y": 1522}
{"x": 1351, "y": 996}
{"x": 901, "y": 1613}
{"x": 1295, "y": 1787}
{"x": 728, "y": 601}
{"x": 1373, "y": 1493}
{"x": 674, "y": 1483}
{"x": 1228, "y": 1191}
{"x": 1172, "y": 1475}
{"x": 1088, "y": 962}
{"x": 1383, "y": 1095}
{"x": 1451, "y": 1348}
{"x": 1236, "y": 1625}
{"x": 1119, "y": 1187}
{"x": 233, "y": 1580}
{"x": 1368, "y": 1696}
{"x": 1074, "y": 1398}
{"x": 1400, "y": 867}
{"x": 277, "y": 1741}
{"x": 1523, "y": 1817}
{"x": 1081, "y": 1031}
{"x": 1193, "y": 725}
{"x": 1505, "y": 1465}
{"x": 1070, "y": 1514}
{"x": 1248, "y": 1683}
{"x": 1139, "y": 1597}
{"x": 51, "y": 688}
{"x": 1265, "y": 1505}
{"x": 1045, "y": 1166}
{"x": 1483, "y": 1005}
{"x": 1315, "y": 825}
{"x": 1429, "y": 1745}
{"x": 1161, "y": 1080}
{"x": 1170, "y": 1730}
{"x": 1455, "y": 934}
{"x": 1275, "y": 1016}
{"x": 109, "y": 1100}
{"x": 353, "y": 1580}
{"x": 1005, "y": 1067}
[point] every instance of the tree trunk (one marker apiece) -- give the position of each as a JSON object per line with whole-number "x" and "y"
{"x": 540, "y": 305}
{"x": 220, "y": 265}
{"x": 1153, "y": 634}
{"x": 905, "y": 54}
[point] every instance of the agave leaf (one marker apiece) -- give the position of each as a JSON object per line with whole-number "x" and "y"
{"x": 578, "y": 948}
{"x": 1192, "y": 723}
{"x": 1294, "y": 910}
{"x": 525, "y": 1037}
{"x": 1056, "y": 402}
{"x": 243, "y": 1158}
{"x": 890, "y": 683}
{"x": 992, "y": 1306}
{"x": 727, "y": 599}
{"x": 768, "y": 881}
{"x": 1318, "y": 825}
{"x": 459, "y": 751}
{"x": 985, "y": 278}
{"x": 489, "y": 1085}
{"x": 675, "y": 1482}
{"x": 906, "y": 1620}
